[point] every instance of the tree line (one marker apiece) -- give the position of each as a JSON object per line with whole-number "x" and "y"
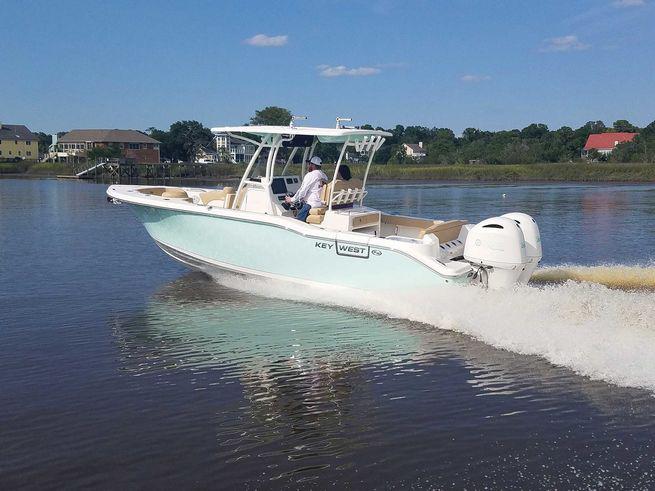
{"x": 532, "y": 144}
{"x": 535, "y": 143}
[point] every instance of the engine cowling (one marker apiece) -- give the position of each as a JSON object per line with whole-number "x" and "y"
{"x": 497, "y": 243}
{"x": 532, "y": 236}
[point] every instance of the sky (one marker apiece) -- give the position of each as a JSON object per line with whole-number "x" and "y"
{"x": 486, "y": 64}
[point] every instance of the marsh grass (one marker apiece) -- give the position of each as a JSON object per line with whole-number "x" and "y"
{"x": 558, "y": 172}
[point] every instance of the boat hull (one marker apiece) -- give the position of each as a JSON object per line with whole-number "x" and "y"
{"x": 211, "y": 243}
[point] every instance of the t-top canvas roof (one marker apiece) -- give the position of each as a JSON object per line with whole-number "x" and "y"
{"x": 324, "y": 135}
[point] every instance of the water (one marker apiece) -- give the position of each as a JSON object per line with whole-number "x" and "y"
{"x": 120, "y": 368}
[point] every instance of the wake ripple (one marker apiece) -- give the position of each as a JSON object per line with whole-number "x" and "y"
{"x": 612, "y": 276}
{"x": 602, "y": 333}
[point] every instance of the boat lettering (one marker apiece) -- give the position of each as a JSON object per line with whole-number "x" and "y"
{"x": 352, "y": 250}
{"x": 323, "y": 245}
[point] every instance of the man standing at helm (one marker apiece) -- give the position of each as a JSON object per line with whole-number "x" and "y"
{"x": 310, "y": 189}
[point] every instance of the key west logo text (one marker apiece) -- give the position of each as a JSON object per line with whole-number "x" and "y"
{"x": 342, "y": 249}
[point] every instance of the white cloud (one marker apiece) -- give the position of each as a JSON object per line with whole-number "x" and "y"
{"x": 344, "y": 71}
{"x": 629, "y": 3}
{"x": 564, "y": 43}
{"x": 474, "y": 78}
{"x": 264, "y": 41}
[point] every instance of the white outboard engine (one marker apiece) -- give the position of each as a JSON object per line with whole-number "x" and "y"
{"x": 532, "y": 243}
{"x": 497, "y": 246}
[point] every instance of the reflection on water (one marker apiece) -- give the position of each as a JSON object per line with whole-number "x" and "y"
{"x": 327, "y": 390}
{"x": 117, "y": 366}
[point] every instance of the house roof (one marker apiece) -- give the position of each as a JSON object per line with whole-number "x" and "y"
{"x": 415, "y": 147}
{"x": 607, "y": 141}
{"x": 106, "y": 136}
{"x": 16, "y": 132}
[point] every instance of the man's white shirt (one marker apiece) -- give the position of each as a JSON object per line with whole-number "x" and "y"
{"x": 310, "y": 189}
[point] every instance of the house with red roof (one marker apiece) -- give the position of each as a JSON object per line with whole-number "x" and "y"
{"x": 604, "y": 143}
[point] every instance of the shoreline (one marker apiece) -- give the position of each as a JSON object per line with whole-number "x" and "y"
{"x": 377, "y": 180}
{"x": 628, "y": 173}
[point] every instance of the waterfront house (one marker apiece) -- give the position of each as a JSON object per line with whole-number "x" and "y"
{"x": 605, "y": 143}
{"x": 133, "y": 144}
{"x": 239, "y": 150}
{"x": 414, "y": 151}
{"x": 207, "y": 155}
{"x": 17, "y": 142}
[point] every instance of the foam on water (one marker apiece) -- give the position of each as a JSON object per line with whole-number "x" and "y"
{"x": 602, "y": 333}
{"x": 612, "y": 276}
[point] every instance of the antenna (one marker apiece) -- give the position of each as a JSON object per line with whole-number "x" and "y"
{"x": 338, "y": 126}
{"x": 293, "y": 118}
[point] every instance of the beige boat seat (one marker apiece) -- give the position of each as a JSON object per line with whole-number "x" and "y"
{"x": 343, "y": 193}
{"x": 316, "y": 215}
{"x": 445, "y": 231}
{"x": 165, "y": 192}
{"x": 174, "y": 193}
{"x": 225, "y": 196}
{"x": 421, "y": 223}
{"x": 152, "y": 191}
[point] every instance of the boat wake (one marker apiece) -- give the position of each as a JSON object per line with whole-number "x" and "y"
{"x": 600, "y": 332}
{"x": 612, "y": 276}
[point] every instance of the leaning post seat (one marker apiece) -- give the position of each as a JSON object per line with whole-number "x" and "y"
{"x": 220, "y": 197}
{"x": 342, "y": 195}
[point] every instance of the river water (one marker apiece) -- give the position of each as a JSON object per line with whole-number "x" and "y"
{"x": 120, "y": 368}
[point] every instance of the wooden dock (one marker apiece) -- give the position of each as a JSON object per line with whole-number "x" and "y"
{"x": 130, "y": 172}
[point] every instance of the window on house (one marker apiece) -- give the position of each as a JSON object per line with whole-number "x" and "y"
{"x": 28, "y": 142}
{"x": 15, "y": 142}
{"x": 0, "y": 152}
{"x": 9, "y": 152}
{"x": 29, "y": 154}
{"x": 19, "y": 153}
{"x": 134, "y": 146}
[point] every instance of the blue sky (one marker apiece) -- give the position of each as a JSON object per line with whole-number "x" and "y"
{"x": 480, "y": 63}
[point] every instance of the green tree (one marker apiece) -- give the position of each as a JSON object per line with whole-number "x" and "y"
{"x": 442, "y": 148}
{"x": 398, "y": 155}
{"x": 623, "y": 125}
{"x": 535, "y": 130}
{"x": 110, "y": 152}
{"x": 472, "y": 134}
{"x": 45, "y": 140}
{"x": 185, "y": 139}
{"x": 163, "y": 137}
{"x": 271, "y": 116}
{"x": 594, "y": 155}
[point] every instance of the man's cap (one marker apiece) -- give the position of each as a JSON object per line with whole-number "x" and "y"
{"x": 316, "y": 161}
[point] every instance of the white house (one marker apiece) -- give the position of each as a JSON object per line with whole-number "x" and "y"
{"x": 605, "y": 143}
{"x": 239, "y": 150}
{"x": 414, "y": 151}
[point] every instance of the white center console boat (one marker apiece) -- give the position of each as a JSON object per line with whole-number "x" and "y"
{"x": 245, "y": 229}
